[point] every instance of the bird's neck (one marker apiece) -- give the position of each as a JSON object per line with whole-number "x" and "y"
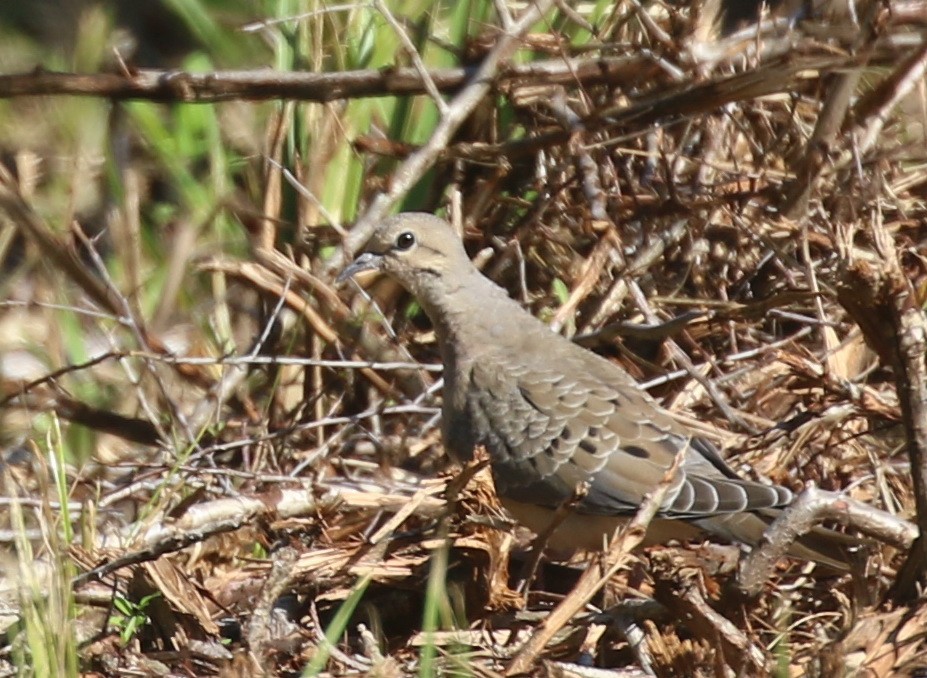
{"x": 469, "y": 314}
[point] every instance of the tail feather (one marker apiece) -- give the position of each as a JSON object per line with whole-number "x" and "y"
{"x": 823, "y": 546}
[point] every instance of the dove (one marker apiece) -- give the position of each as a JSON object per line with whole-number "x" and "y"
{"x": 562, "y": 425}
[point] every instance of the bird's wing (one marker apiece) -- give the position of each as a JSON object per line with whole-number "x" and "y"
{"x": 549, "y": 429}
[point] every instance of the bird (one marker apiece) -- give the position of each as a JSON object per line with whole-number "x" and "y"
{"x": 555, "y": 417}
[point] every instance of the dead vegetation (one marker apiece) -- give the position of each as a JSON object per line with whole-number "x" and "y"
{"x": 738, "y": 219}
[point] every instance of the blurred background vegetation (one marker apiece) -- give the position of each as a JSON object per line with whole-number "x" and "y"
{"x": 153, "y": 184}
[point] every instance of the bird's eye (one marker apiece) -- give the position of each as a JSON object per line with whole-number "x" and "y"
{"x": 405, "y": 240}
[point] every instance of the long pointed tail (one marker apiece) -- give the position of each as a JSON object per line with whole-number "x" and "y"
{"x": 821, "y": 545}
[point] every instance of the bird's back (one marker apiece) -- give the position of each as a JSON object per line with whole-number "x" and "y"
{"x": 555, "y": 416}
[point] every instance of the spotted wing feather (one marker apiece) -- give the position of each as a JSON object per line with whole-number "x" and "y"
{"x": 548, "y": 432}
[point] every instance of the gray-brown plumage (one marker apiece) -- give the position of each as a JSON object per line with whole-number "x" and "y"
{"x": 553, "y": 415}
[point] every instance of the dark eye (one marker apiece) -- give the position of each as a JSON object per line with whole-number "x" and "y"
{"x": 405, "y": 240}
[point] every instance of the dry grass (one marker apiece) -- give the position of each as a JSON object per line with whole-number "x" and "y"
{"x": 216, "y": 463}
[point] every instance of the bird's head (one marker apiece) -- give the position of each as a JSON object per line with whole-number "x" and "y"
{"x": 417, "y": 249}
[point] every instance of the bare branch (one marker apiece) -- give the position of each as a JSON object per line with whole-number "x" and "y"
{"x": 259, "y": 85}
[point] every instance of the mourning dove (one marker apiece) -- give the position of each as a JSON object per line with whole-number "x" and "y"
{"x": 554, "y": 416}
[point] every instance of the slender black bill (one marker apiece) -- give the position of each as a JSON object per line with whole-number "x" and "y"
{"x": 368, "y": 261}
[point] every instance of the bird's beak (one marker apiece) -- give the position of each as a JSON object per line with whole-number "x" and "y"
{"x": 368, "y": 261}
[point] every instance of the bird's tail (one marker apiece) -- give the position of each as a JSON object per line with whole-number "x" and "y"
{"x": 826, "y": 547}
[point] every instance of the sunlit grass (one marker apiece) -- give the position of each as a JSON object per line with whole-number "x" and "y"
{"x": 337, "y": 627}
{"x": 44, "y": 640}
